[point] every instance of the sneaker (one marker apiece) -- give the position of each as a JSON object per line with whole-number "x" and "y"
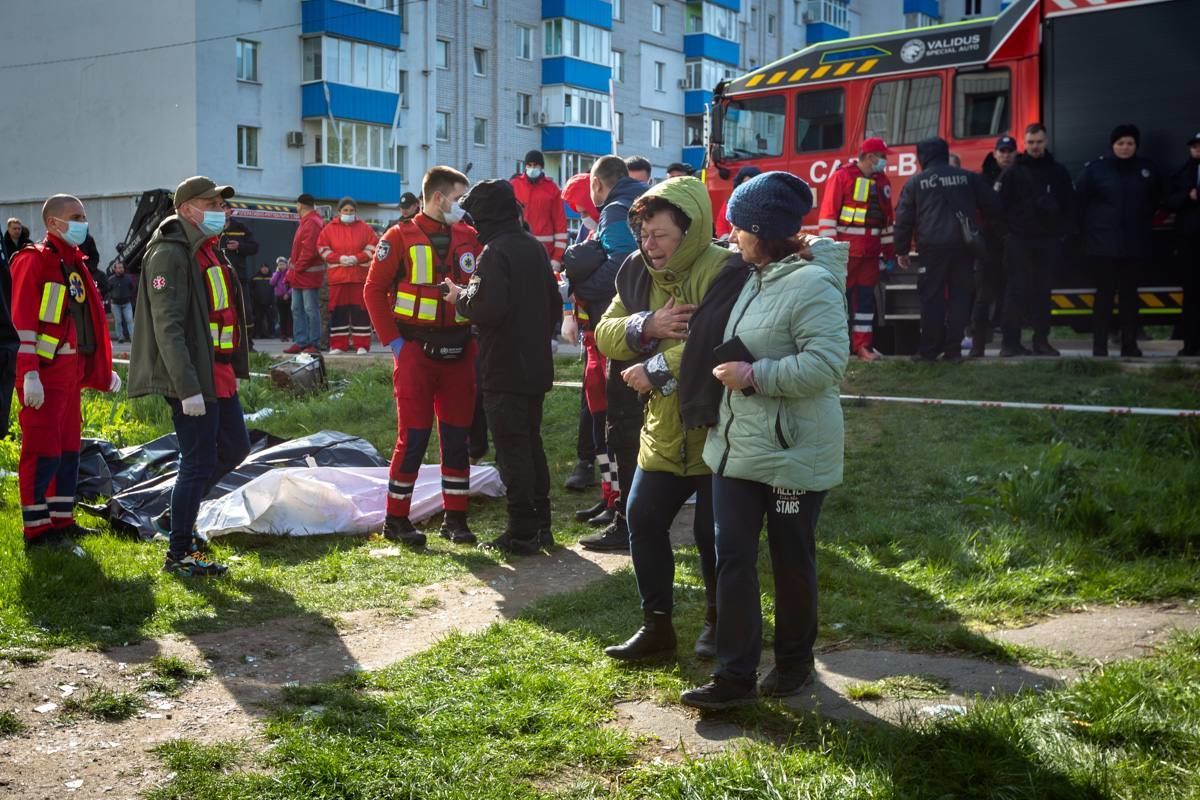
{"x": 613, "y": 539}
{"x": 311, "y": 349}
{"x": 194, "y": 565}
{"x": 55, "y": 539}
{"x": 582, "y": 477}
{"x": 362, "y": 351}
{"x": 454, "y": 528}
{"x": 513, "y": 545}
{"x": 720, "y": 693}
{"x": 867, "y": 354}
{"x": 337, "y": 351}
{"x": 401, "y": 530}
{"x": 785, "y": 683}
{"x": 293, "y": 349}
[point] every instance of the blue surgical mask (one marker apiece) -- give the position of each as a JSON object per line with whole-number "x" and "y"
{"x": 348, "y": 218}
{"x": 533, "y": 173}
{"x": 76, "y": 232}
{"x": 213, "y": 222}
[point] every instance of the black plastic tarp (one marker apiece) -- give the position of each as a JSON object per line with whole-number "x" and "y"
{"x": 138, "y": 480}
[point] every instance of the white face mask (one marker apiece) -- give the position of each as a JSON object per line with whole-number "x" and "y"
{"x": 455, "y": 213}
{"x": 533, "y": 173}
{"x": 348, "y": 218}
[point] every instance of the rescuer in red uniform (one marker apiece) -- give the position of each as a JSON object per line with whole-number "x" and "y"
{"x": 543, "y": 208}
{"x": 64, "y": 348}
{"x": 434, "y": 370}
{"x": 347, "y": 244}
{"x": 856, "y": 207}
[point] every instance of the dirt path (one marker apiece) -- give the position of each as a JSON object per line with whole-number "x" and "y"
{"x": 251, "y": 665}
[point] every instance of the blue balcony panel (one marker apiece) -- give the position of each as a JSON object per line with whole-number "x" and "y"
{"x": 929, "y": 8}
{"x": 593, "y": 12}
{"x": 705, "y": 45}
{"x": 732, "y": 5}
{"x": 694, "y": 156}
{"x": 575, "y": 139}
{"x": 824, "y": 32}
{"x": 350, "y": 102}
{"x": 695, "y": 101}
{"x": 352, "y": 21}
{"x": 574, "y": 72}
{"x": 364, "y": 185}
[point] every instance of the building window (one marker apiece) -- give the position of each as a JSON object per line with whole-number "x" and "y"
{"x": 917, "y": 19}
{"x": 567, "y": 105}
{"x": 618, "y": 66}
{"x": 618, "y": 10}
{"x": 905, "y": 111}
{"x": 832, "y": 12}
{"x": 770, "y": 24}
{"x": 660, "y": 72}
{"x": 524, "y": 43}
{"x": 390, "y": 6}
{"x": 442, "y": 54}
{"x": 479, "y": 3}
{"x": 402, "y": 87}
{"x": 701, "y": 73}
{"x": 656, "y": 133}
{"x": 693, "y": 132}
{"x": 401, "y": 162}
{"x": 657, "y": 14}
{"x": 524, "y": 110}
{"x": 972, "y": 7}
{"x": 312, "y": 58}
{"x": 567, "y": 37}
{"x": 819, "y": 120}
{"x": 620, "y": 131}
{"x": 353, "y": 63}
{"x": 479, "y": 61}
{"x": 247, "y": 60}
{"x": 798, "y": 12}
{"x": 247, "y": 146}
{"x": 352, "y": 144}
{"x": 712, "y": 18}
{"x": 572, "y": 164}
{"x": 480, "y": 135}
{"x": 981, "y": 103}
{"x": 441, "y": 126}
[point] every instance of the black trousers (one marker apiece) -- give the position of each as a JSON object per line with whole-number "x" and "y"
{"x": 1189, "y": 273}
{"x": 944, "y": 285}
{"x": 477, "y": 435}
{"x": 1028, "y": 264}
{"x": 264, "y": 319}
{"x": 585, "y": 447}
{"x": 515, "y": 421}
{"x": 8, "y": 380}
{"x": 989, "y": 293}
{"x": 1115, "y": 276}
{"x": 624, "y": 430}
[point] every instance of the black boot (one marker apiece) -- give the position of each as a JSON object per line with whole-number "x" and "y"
{"x": 515, "y": 543}
{"x": 582, "y": 477}
{"x": 706, "y": 644}
{"x": 613, "y": 539}
{"x": 655, "y": 639}
{"x": 584, "y": 514}
{"x": 1042, "y": 347}
{"x": 720, "y": 693}
{"x": 400, "y": 529}
{"x": 605, "y": 518}
{"x": 454, "y": 528}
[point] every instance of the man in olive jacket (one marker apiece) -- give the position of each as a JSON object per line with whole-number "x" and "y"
{"x": 190, "y": 346}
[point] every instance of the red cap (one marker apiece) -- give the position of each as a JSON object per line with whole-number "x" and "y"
{"x": 875, "y": 145}
{"x": 577, "y": 194}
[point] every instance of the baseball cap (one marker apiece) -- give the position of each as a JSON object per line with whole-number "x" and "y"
{"x": 875, "y": 145}
{"x": 306, "y": 199}
{"x": 407, "y": 199}
{"x": 199, "y": 187}
{"x": 1006, "y": 142}
{"x": 1195, "y": 138}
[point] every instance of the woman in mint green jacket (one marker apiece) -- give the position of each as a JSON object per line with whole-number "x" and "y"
{"x": 778, "y": 443}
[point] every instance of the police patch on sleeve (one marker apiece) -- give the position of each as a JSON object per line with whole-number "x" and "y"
{"x": 381, "y": 252}
{"x": 466, "y": 262}
{"x": 471, "y": 288}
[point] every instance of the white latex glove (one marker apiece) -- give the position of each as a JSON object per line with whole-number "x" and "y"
{"x": 115, "y": 384}
{"x": 347, "y": 261}
{"x": 570, "y": 329}
{"x": 35, "y": 395}
{"x": 556, "y": 265}
{"x": 194, "y": 406}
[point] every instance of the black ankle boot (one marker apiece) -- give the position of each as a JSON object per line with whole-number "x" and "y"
{"x": 655, "y": 639}
{"x": 584, "y": 514}
{"x": 454, "y": 528}
{"x": 400, "y": 529}
{"x": 706, "y": 644}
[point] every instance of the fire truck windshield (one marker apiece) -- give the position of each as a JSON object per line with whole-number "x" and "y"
{"x": 753, "y": 127}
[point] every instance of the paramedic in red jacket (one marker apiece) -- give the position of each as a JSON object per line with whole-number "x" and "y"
{"x": 540, "y": 198}
{"x": 64, "y": 348}
{"x": 434, "y": 369}
{"x": 856, "y": 207}
{"x": 347, "y": 244}
{"x": 306, "y": 275}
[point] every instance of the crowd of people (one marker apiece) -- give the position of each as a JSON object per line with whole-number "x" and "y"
{"x": 714, "y": 346}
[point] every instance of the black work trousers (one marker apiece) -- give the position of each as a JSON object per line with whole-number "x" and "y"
{"x": 1029, "y": 266}
{"x": 515, "y": 421}
{"x": 624, "y": 430}
{"x": 1189, "y": 273}
{"x": 8, "y": 380}
{"x": 585, "y": 442}
{"x": 988, "y": 305}
{"x": 945, "y": 285}
{"x": 1115, "y": 276}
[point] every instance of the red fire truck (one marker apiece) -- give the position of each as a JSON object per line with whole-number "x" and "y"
{"x": 1078, "y": 66}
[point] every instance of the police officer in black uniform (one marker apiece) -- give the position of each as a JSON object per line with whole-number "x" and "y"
{"x": 939, "y": 209}
{"x": 989, "y": 265}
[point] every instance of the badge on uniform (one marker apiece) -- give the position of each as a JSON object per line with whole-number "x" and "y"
{"x": 887, "y": 191}
{"x": 381, "y": 252}
{"x": 472, "y": 287}
{"x": 466, "y": 262}
{"x": 1145, "y": 172}
{"x": 159, "y": 283}
{"x": 75, "y": 286}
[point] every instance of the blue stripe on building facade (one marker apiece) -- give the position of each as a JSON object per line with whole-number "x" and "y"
{"x": 694, "y": 156}
{"x": 364, "y": 185}
{"x": 593, "y": 12}
{"x": 572, "y": 71}
{"x": 824, "y": 32}
{"x": 705, "y": 45}
{"x": 349, "y": 102}
{"x": 732, "y": 5}
{"x": 927, "y": 7}
{"x": 695, "y": 101}
{"x": 351, "y": 20}
{"x": 577, "y": 139}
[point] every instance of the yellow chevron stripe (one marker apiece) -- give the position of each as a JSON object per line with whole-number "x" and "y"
{"x": 844, "y": 68}
{"x": 777, "y": 77}
{"x": 867, "y": 65}
{"x": 798, "y": 74}
{"x": 819, "y": 72}
{"x": 755, "y": 80}
{"x": 1062, "y": 301}
{"x": 1177, "y": 297}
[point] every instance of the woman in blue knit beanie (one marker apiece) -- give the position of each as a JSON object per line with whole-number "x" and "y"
{"x": 777, "y": 446}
